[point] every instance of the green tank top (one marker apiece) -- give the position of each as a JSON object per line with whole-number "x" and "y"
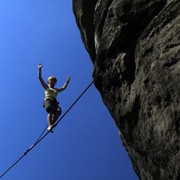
{"x": 51, "y": 93}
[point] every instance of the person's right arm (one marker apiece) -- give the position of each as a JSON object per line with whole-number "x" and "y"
{"x": 44, "y": 85}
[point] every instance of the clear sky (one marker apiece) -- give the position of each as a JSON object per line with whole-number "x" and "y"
{"x": 86, "y": 144}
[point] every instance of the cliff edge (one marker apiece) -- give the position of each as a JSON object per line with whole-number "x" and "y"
{"x": 135, "y": 49}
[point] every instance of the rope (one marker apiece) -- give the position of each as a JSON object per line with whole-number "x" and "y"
{"x": 41, "y": 137}
{"x": 42, "y": 133}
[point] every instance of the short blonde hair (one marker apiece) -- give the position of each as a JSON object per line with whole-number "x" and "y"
{"x": 51, "y": 77}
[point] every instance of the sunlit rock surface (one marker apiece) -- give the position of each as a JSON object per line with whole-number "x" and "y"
{"x": 135, "y": 48}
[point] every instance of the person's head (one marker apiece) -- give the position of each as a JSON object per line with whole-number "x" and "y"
{"x": 52, "y": 81}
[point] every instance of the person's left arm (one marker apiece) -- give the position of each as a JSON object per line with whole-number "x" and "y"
{"x": 64, "y": 86}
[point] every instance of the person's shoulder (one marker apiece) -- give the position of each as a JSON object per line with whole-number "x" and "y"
{"x": 56, "y": 89}
{"x": 46, "y": 89}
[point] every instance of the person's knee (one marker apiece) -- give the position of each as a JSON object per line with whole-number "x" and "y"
{"x": 50, "y": 113}
{"x": 58, "y": 112}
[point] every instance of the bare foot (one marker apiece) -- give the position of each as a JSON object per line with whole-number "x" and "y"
{"x": 50, "y": 128}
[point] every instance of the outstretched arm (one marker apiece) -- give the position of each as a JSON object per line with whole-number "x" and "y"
{"x": 44, "y": 85}
{"x": 64, "y": 86}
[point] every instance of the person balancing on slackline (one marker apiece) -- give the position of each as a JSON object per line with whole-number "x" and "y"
{"x": 50, "y": 101}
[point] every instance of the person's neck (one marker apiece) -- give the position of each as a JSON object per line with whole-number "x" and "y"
{"x": 51, "y": 86}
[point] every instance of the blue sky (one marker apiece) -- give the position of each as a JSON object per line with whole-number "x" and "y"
{"x": 86, "y": 143}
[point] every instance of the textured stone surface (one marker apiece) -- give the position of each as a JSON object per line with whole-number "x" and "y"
{"x": 135, "y": 48}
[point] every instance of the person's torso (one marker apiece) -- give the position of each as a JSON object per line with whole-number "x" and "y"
{"x": 51, "y": 93}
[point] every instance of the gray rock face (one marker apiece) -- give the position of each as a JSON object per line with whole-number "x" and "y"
{"x": 135, "y": 49}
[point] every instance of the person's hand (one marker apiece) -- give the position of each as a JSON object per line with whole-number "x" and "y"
{"x": 68, "y": 79}
{"x": 40, "y": 66}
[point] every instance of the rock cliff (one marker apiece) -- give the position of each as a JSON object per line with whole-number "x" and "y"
{"x": 135, "y": 48}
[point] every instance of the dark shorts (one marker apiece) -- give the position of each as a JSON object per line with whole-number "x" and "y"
{"x": 51, "y": 105}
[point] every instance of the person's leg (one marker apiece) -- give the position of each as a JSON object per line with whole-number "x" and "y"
{"x": 50, "y": 120}
{"x": 56, "y": 116}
